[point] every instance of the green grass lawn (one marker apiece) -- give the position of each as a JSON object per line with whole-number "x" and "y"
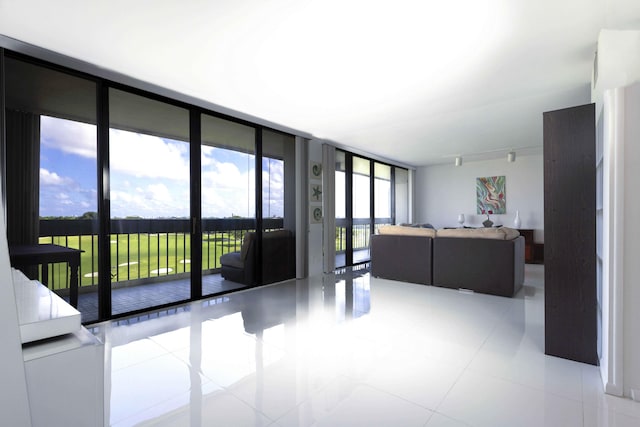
{"x": 139, "y": 256}
{"x": 360, "y": 238}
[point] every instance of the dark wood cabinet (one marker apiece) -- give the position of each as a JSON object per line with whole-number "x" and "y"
{"x": 533, "y": 252}
{"x": 528, "y": 244}
{"x": 570, "y": 233}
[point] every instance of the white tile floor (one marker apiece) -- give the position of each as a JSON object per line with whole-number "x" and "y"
{"x": 359, "y": 352}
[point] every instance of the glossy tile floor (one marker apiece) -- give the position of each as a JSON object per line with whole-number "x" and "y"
{"x": 351, "y": 351}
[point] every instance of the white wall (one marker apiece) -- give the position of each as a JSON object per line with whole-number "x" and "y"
{"x": 14, "y": 403}
{"x": 631, "y": 243}
{"x": 315, "y": 237}
{"x": 618, "y": 66}
{"x": 444, "y": 191}
{"x": 620, "y": 358}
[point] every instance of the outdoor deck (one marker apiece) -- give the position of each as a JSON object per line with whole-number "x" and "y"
{"x": 132, "y": 298}
{"x": 142, "y": 250}
{"x": 359, "y": 256}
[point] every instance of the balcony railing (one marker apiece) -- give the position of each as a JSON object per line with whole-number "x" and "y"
{"x": 361, "y": 232}
{"x": 144, "y": 250}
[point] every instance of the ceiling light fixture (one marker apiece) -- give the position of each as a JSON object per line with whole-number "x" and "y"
{"x": 458, "y": 161}
{"x": 511, "y": 156}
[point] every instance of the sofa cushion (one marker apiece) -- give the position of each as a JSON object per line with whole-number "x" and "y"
{"x": 400, "y": 230}
{"x": 251, "y": 235}
{"x": 246, "y": 243}
{"x": 276, "y": 234}
{"x": 232, "y": 259}
{"x": 502, "y": 233}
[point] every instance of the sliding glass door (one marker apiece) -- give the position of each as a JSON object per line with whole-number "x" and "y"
{"x": 343, "y": 210}
{"x": 149, "y": 200}
{"x": 368, "y": 194}
{"x": 228, "y": 192}
{"x": 278, "y": 260}
{"x": 383, "y": 195}
{"x": 150, "y": 192}
{"x": 400, "y": 205}
{"x": 361, "y": 200}
{"x": 51, "y": 176}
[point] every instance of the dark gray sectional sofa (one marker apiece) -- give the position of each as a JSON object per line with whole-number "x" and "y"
{"x": 489, "y": 261}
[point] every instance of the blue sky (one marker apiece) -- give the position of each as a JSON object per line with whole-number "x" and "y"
{"x": 149, "y": 175}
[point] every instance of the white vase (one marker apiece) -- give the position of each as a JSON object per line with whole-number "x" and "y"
{"x": 516, "y": 220}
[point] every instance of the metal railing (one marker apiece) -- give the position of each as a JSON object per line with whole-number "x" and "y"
{"x": 144, "y": 250}
{"x": 361, "y": 232}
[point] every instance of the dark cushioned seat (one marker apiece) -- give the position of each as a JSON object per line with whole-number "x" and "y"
{"x": 483, "y": 265}
{"x": 278, "y": 250}
{"x": 405, "y": 258}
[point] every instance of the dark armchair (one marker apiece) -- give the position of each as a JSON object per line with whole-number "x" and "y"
{"x": 278, "y": 255}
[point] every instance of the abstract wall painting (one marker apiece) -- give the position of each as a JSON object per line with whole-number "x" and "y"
{"x": 491, "y": 195}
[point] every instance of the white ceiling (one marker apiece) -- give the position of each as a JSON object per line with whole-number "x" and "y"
{"x": 414, "y": 81}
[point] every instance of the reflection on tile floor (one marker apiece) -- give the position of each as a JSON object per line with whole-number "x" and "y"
{"x": 351, "y": 351}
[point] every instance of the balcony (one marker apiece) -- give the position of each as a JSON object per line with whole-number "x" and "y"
{"x": 361, "y": 236}
{"x": 150, "y": 259}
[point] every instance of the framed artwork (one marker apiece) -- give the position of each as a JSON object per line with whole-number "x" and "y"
{"x": 315, "y": 170}
{"x": 491, "y": 196}
{"x": 315, "y": 193}
{"x": 315, "y": 214}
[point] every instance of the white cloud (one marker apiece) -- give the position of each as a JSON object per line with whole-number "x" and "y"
{"x": 121, "y": 197}
{"x": 207, "y": 157}
{"x": 273, "y": 188}
{"x": 273, "y": 179}
{"x": 69, "y": 136}
{"x": 65, "y": 199}
{"x": 52, "y": 178}
{"x": 227, "y": 191}
{"x": 153, "y": 201}
{"x": 158, "y": 193}
{"x": 148, "y": 156}
{"x": 150, "y": 175}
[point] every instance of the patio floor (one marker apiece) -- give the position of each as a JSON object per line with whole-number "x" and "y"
{"x": 359, "y": 256}
{"x": 132, "y": 298}
{"x": 140, "y": 297}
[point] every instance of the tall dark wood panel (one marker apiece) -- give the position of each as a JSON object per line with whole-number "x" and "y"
{"x": 570, "y": 233}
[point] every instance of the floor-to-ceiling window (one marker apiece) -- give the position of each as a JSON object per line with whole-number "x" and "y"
{"x": 368, "y": 194}
{"x": 362, "y": 201}
{"x": 51, "y": 173}
{"x": 150, "y": 191}
{"x": 228, "y": 176}
{"x": 401, "y": 196}
{"x": 383, "y": 195}
{"x": 278, "y": 207}
{"x": 149, "y": 198}
{"x": 343, "y": 210}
